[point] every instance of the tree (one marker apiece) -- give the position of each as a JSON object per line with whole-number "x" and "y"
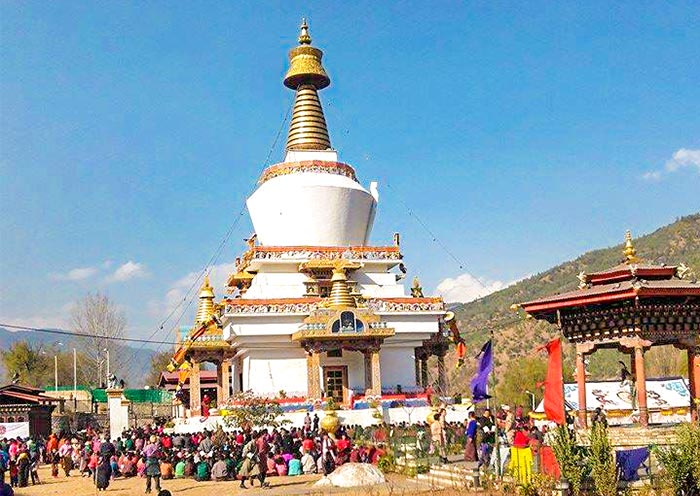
{"x": 32, "y": 363}
{"x": 253, "y": 412}
{"x": 98, "y": 320}
{"x": 159, "y": 362}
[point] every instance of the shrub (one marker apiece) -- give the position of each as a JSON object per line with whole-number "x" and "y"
{"x": 681, "y": 462}
{"x": 387, "y": 463}
{"x": 602, "y": 461}
{"x": 570, "y": 458}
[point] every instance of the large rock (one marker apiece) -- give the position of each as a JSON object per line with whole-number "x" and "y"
{"x": 352, "y": 475}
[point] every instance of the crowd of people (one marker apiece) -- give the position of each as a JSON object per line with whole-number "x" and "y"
{"x": 248, "y": 457}
{"x": 514, "y": 430}
{"x": 251, "y": 457}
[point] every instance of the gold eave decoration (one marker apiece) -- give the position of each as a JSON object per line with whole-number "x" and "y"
{"x": 325, "y": 334}
{"x": 327, "y": 264}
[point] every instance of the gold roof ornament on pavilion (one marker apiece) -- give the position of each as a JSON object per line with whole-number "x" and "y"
{"x": 416, "y": 288}
{"x": 205, "y": 307}
{"x": 630, "y": 252}
{"x": 340, "y": 296}
{"x": 306, "y": 75}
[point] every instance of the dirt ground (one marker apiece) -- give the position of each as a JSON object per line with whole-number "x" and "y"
{"x": 300, "y": 485}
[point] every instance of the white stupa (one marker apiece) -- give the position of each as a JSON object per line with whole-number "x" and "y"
{"x": 313, "y": 308}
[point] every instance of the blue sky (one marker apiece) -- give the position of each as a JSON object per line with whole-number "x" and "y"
{"x": 522, "y": 134}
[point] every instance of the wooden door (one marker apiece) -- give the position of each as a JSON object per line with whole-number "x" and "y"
{"x": 335, "y": 381}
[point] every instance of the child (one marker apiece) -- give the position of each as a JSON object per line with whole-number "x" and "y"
{"x": 55, "y": 460}
{"x": 14, "y": 473}
{"x": 34, "y": 466}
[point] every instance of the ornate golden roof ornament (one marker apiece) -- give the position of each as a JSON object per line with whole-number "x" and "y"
{"x": 340, "y": 296}
{"x": 307, "y": 130}
{"x": 416, "y": 288}
{"x": 205, "y": 307}
{"x": 630, "y": 252}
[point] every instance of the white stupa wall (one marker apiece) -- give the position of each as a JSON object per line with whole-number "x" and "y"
{"x": 267, "y": 372}
{"x": 278, "y": 281}
{"x": 312, "y": 209}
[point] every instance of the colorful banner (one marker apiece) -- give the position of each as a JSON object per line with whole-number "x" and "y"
{"x": 480, "y": 382}
{"x": 554, "y": 384}
{"x": 13, "y": 430}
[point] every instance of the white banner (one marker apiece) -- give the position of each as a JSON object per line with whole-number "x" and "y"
{"x": 13, "y": 430}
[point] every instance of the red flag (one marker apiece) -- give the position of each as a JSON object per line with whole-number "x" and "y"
{"x": 554, "y": 384}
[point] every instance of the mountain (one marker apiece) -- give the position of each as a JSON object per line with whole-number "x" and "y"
{"x": 138, "y": 367}
{"x": 516, "y": 336}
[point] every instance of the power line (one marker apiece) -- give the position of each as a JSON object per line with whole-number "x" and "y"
{"x": 81, "y": 335}
{"x": 207, "y": 267}
{"x": 428, "y": 230}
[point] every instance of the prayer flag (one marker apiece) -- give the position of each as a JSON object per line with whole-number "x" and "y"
{"x": 554, "y": 384}
{"x": 481, "y": 378}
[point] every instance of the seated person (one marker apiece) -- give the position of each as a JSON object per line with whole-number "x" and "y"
{"x": 202, "y": 471}
{"x": 219, "y": 471}
{"x": 280, "y": 466}
{"x": 308, "y": 463}
{"x": 166, "y": 469}
{"x": 295, "y": 467}
{"x": 180, "y": 469}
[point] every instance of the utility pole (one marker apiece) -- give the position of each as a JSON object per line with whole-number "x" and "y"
{"x": 75, "y": 373}
{"x": 55, "y": 371}
{"x": 107, "y": 361}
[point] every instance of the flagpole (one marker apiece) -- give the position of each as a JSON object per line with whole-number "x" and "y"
{"x": 497, "y": 443}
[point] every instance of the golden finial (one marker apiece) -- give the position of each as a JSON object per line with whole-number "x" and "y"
{"x": 304, "y": 38}
{"x": 205, "y": 308}
{"x": 306, "y": 75}
{"x": 630, "y": 252}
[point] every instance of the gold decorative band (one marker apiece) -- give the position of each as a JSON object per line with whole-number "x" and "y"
{"x": 318, "y": 166}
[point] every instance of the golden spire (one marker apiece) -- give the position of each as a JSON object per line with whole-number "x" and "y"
{"x": 630, "y": 252}
{"x": 205, "y": 308}
{"x": 340, "y": 296}
{"x": 307, "y": 130}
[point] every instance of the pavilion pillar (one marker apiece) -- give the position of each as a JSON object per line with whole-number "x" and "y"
{"x": 373, "y": 373}
{"x": 313, "y": 374}
{"x": 694, "y": 379}
{"x": 581, "y": 383}
{"x": 416, "y": 365}
{"x": 442, "y": 375}
{"x": 641, "y": 385}
{"x": 223, "y": 382}
{"x": 424, "y": 371}
{"x": 195, "y": 390}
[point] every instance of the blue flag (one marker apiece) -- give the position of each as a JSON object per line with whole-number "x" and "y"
{"x": 481, "y": 378}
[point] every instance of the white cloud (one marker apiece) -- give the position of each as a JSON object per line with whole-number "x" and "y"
{"x": 651, "y": 176}
{"x": 681, "y": 159}
{"x": 466, "y": 288}
{"x": 179, "y": 290}
{"x": 77, "y": 274}
{"x": 684, "y": 158}
{"x": 51, "y": 321}
{"x": 129, "y": 270}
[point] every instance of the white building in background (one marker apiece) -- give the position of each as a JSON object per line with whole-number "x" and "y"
{"x": 314, "y": 310}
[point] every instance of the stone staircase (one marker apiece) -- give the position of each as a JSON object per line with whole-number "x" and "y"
{"x": 460, "y": 475}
